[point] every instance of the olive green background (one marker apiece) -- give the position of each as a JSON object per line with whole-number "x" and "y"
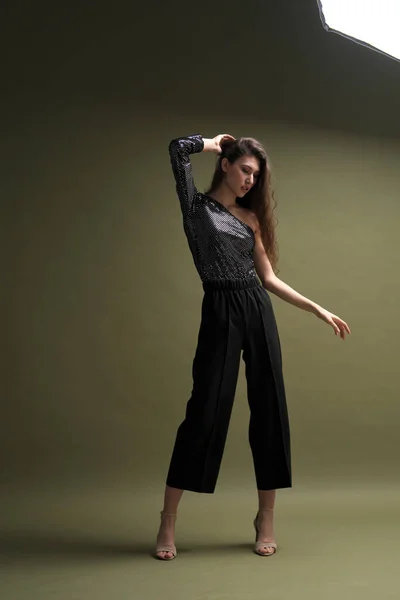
{"x": 101, "y": 297}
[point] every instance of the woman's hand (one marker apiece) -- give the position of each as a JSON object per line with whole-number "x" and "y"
{"x": 219, "y": 139}
{"x": 214, "y": 144}
{"x": 339, "y": 326}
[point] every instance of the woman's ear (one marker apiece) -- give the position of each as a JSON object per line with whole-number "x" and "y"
{"x": 224, "y": 164}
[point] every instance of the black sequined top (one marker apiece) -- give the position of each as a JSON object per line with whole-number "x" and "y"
{"x": 221, "y": 244}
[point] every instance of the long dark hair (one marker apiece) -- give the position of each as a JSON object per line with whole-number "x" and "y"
{"x": 260, "y": 198}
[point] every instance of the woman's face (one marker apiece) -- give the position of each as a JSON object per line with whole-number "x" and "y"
{"x": 241, "y": 175}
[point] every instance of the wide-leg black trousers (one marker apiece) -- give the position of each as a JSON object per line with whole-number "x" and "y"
{"x": 236, "y": 316}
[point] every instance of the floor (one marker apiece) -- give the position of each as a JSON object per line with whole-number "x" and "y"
{"x": 95, "y": 542}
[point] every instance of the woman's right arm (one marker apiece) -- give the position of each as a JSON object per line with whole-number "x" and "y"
{"x": 180, "y": 150}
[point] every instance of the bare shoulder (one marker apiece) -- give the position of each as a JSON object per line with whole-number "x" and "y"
{"x": 252, "y": 215}
{"x": 253, "y": 220}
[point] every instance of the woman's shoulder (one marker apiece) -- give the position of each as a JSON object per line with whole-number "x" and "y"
{"x": 252, "y": 217}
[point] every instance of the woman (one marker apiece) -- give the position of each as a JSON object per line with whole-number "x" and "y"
{"x": 231, "y": 235}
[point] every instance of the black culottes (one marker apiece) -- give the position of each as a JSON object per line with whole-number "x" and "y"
{"x": 236, "y": 316}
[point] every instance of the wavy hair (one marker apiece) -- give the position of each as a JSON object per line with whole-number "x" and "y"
{"x": 260, "y": 198}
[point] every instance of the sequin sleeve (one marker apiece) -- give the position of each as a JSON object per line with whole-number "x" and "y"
{"x": 179, "y": 151}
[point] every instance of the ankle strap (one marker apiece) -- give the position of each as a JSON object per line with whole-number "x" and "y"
{"x": 162, "y": 513}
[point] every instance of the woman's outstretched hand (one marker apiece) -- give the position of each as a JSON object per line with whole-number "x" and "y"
{"x": 214, "y": 144}
{"x": 339, "y": 326}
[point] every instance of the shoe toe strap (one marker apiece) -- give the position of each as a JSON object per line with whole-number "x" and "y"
{"x": 260, "y": 545}
{"x": 171, "y": 549}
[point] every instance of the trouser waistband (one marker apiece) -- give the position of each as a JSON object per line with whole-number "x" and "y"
{"x": 231, "y": 284}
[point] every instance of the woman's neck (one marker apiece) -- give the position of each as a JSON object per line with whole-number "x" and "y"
{"x": 224, "y": 195}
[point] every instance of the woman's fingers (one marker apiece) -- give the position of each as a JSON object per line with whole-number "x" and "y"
{"x": 225, "y": 137}
{"x": 341, "y": 330}
{"x": 219, "y": 139}
{"x": 341, "y": 324}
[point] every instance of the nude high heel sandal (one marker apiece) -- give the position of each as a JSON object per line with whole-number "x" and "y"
{"x": 166, "y": 547}
{"x": 263, "y": 545}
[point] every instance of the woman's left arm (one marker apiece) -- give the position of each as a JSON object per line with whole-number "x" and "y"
{"x": 278, "y": 287}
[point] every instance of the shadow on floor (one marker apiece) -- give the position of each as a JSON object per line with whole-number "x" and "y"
{"x": 28, "y": 546}
{"x": 18, "y": 544}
